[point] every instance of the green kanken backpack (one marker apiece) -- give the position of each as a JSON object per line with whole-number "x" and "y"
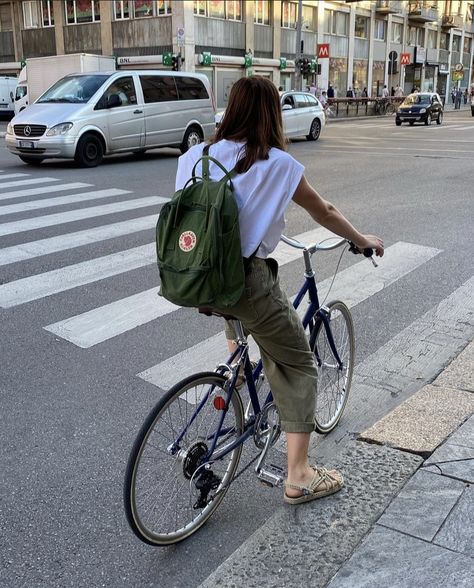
{"x": 198, "y": 242}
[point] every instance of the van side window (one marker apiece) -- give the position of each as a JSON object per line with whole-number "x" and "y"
{"x": 124, "y": 88}
{"x": 191, "y": 89}
{"x": 158, "y": 88}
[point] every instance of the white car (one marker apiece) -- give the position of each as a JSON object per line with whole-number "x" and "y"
{"x": 303, "y": 115}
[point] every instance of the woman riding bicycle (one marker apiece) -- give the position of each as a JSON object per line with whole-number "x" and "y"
{"x": 250, "y": 138}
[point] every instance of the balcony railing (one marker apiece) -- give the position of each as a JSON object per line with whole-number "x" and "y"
{"x": 421, "y": 11}
{"x": 388, "y": 6}
{"x": 452, "y": 21}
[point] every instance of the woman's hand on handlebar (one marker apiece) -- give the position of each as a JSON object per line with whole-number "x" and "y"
{"x": 371, "y": 242}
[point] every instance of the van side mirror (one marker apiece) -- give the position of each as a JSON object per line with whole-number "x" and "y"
{"x": 113, "y": 101}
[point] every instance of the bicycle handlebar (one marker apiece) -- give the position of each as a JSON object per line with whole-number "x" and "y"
{"x": 368, "y": 252}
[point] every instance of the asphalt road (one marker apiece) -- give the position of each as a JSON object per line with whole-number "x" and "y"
{"x": 70, "y": 413}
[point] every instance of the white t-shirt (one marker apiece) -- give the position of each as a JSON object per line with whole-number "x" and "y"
{"x": 262, "y": 193}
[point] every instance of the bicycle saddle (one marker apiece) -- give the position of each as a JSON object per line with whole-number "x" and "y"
{"x": 211, "y": 312}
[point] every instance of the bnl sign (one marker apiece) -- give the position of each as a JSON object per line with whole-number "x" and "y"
{"x": 323, "y": 51}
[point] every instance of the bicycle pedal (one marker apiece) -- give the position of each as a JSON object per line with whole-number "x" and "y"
{"x": 271, "y": 475}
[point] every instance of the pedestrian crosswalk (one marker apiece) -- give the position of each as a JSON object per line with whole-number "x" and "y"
{"x": 115, "y": 318}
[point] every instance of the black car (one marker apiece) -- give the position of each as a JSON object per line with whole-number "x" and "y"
{"x": 420, "y": 107}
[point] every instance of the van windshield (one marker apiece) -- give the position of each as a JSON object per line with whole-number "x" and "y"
{"x": 74, "y": 89}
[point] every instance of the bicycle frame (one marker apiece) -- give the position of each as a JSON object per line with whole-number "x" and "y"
{"x": 241, "y": 353}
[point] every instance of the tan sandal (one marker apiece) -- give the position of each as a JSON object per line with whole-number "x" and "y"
{"x": 324, "y": 483}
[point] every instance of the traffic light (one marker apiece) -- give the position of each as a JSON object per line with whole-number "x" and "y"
{"x": 306, "y": 67}
{"x": 174, "y": 63}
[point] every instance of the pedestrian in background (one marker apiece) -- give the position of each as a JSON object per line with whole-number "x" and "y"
{"x": 453, "y": 95}
{"x": 365, "y": 94}
{"x": 466, "y": 94}
{"x": 398, "y": 91}
{"x": 330, "y": 91}
{"x": 385, "y": 92}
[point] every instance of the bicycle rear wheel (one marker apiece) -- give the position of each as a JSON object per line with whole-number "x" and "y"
{"x": 334, "y": 382}
{"x": 168, "y": 493}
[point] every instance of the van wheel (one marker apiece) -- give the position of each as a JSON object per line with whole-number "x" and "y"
{"x": 315, "y": 130}
{"x": 89, "y": 151}
{"x": 192, "y": 137}
{"x": 30, "y": 160}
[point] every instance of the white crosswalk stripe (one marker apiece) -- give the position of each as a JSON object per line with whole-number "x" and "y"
{"x": 36, "y": 287}
{"x": 34, "y": 249}
{"x": 78, "y": 214}
{"x": 10, "y": 176}
{"x": 352, "y": 285}
{"x": 61, "y": 200}
{"x": 42, "y": 190}
{"x": 33, "y": 181}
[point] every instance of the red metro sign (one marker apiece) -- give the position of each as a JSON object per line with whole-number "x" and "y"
{"x": 404, "y": 59}
{"x": 323, "y": 51}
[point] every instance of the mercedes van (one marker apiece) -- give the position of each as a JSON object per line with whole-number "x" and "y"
{"x": 86, "y": 116}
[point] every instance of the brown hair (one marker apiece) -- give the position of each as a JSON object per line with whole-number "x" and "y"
{"x": 253, "y": 116}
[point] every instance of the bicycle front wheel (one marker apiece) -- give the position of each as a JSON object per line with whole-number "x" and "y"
{"x": 334, "y": 380}
{"x": 172, "y": 484}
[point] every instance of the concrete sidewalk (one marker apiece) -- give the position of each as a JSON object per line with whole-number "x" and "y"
{"x": 426, "y": 534}
{"x": 405, "y": 516}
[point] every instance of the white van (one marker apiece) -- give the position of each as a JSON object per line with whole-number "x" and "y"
{"x": 7, "y": 94}
{"x": 86, "y": 116}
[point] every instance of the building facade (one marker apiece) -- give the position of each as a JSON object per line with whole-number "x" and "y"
{"x": 362, "y": 44}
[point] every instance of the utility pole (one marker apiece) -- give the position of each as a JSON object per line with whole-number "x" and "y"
{"x": 299, "y": 46}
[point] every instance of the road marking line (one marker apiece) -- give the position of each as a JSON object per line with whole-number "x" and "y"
{"x": 10, "y": 176}
{"x": 353, "y": 285}
{"x": 26, "y": 182}
{"x": 49, "y": 245}
{"x": 61, "y": 200}
{"x": 42, "y": 190}
{"x": 78, "y": 214}
{"x": 72, "y": 276}
{"x": 99, "y": 324}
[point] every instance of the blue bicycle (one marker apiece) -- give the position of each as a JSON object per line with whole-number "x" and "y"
{"x": 187, "y": 451}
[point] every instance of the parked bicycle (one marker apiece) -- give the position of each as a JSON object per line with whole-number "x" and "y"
{"x": 385, "y": 106}
{"x": 187, "y": 451}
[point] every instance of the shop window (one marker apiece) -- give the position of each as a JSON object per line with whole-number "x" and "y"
{"x": 229, "y": 10}
{"x": 288, "y": 15}
{"x": 397, "y": 31}
{"x": 361, "y": 27}
{"x": 82, "y": 11}
{"x": 380, "y": 30}
{"x": 122, "y": 9}
{"x": 143, "y": 8}
{"x": 262, "y": 12}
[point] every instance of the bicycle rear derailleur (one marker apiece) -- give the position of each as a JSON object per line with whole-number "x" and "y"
{"x": 205, "y": 482}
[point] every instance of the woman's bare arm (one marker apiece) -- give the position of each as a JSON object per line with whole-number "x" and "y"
{"x": 327, "y": 215}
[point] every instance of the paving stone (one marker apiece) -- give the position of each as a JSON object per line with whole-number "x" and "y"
{"x": 389, "y": 559}
{"x": 460, "y": 372}
{"x": 464, "y": 435}
{"x": 307, "y": 544}
{"x": 452, "y": 460}
{"x": 423, "y": 504}
{"x": 457, "y": 532}
{"x": 423, "y": 421}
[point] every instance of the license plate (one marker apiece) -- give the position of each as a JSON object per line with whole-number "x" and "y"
{"x": 26, "y": 144}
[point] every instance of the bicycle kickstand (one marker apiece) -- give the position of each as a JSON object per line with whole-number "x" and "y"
{"x": 271, "y": 475}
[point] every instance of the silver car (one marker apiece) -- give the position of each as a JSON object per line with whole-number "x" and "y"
{"x": 86, "y": 116}
{"x": 302, "y": 113}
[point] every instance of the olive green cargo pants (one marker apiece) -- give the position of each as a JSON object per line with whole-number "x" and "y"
{"x": 288, "y": 362}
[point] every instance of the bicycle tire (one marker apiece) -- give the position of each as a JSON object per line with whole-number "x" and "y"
{"x": 151, "y": 460}
{"x": 333, "y": 385}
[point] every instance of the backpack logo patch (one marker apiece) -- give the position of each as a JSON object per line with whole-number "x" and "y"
{"x": 187, "y": 241}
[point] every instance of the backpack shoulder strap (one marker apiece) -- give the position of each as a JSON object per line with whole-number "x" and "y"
{"x": 206, "y": 158}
